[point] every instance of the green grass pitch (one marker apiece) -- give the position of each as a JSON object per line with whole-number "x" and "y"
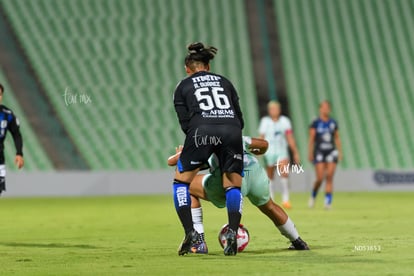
{"x": 364, "y": 234}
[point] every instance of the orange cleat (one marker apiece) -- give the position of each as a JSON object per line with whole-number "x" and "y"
{"x": 286, "y": 205}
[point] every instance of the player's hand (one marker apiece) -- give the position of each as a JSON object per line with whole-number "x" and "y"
{"x": 179, "y": 149}
{"x": 296, "y": 158}
{"x": 173, "y": 159}
{"x": 19, "y": 161}
{"x": 340, "y": 156}
{"x": 310, "y": 157}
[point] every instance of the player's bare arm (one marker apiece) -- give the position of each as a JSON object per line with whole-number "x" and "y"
{"x": 173, "y": 159}
{"x": 258, "y": 146}
{"x": 311, "y": 143}
{"x": 19, "y": 161}
{"x": 292, "y": 144}
{"x": 338, "y": 145}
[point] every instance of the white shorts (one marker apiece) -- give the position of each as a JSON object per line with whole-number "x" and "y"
{"x": 272, "y": 158}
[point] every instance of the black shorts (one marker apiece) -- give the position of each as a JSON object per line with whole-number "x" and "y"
{"x": 325, "y": 156}
{"x": 223, "y": 140}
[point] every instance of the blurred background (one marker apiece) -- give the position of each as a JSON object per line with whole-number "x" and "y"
{"x": 91, "y": 82}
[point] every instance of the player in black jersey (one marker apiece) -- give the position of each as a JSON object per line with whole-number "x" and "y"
{"x": 325, "y": 151}
{"x": 9, "y": 122}
{"x": 208, "y": 110}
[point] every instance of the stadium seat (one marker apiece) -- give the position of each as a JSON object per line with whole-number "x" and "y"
{"x": 128, "y": 57}
{"x": 35, "y": 157}
{"x": 356, "y": 54}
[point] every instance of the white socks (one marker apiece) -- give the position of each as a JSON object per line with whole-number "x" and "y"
{"x": 272, "y": 187}
{"x": 197, "y": 214}
{"x": 284, "y": 181}
{"x": 289, "y": 230}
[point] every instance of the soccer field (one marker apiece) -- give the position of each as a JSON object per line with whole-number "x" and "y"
{"x": 364, "y": 234}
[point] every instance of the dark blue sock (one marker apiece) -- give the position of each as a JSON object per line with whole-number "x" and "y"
{"x": 314, "y": 193}
{"x": 328, "y": 198}
{"x": 234, "y": 203}
{"x": 182, "y": 202}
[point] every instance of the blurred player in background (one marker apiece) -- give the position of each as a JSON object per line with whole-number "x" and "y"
{"x": 9, "y": 122}
{"x": 208, "y": 110}
{"x": 277, "y": 130}
{"x": 255, "y": 186}
{"x": 324, "y": 151}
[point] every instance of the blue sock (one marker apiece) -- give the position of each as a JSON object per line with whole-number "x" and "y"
{"x": 328, "y": 198}
{"x": 234, "y": 204}
{"x": 182, "y": 202}
{"x": 314, "y": 193}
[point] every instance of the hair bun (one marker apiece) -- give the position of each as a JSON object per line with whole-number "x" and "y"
{"x": 195, "y": 48}
{"x": 200, "y": 53}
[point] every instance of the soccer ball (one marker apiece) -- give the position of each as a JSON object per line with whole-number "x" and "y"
{"x": 243, "y": 237}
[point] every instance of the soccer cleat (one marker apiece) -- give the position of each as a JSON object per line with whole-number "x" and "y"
{"x": 328, "y": 207}
{"x": 187, "y": 244}
{"x": 311, "y": 202}
{"x": 299, "y": 244}
{"x": 231, "y": 245}
{"x": 286, "y": 205}
{"x": 199, "y": 248}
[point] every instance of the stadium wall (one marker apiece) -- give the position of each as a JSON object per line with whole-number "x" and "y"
{"x": 28, "y": 184}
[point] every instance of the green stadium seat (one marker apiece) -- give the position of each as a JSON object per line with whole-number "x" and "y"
{"x": 354, "y": 53}
{"x": 128, "y": 56}
{"x": 35, "y": 157}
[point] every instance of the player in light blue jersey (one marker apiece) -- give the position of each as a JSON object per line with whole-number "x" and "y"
{"x": 325, "y": 151}
{"x": 255, "y": 186}
{"x": 277, "y": 130}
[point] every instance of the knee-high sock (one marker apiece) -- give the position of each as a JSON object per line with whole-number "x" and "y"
{"x": 182, "y": 202}
{"x": 289, "y": 230}
{"x": 234, "y": 203}
{"x": 284, "y": 181}
{"x": 197, "y": 214}
{"x": 272, "y": 188}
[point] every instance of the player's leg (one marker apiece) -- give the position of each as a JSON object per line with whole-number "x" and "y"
{"x": 272, "y": 184}
{"x": 276, "y": 214}
{"x": 320, "y": 173}
{"x": 234, "y": 202}
{"x": 284, "y": 224}
{"x": 197, "y": 193}
{"x": 196, "y": 187}
{"x": 330, "y": 171}
{"x": 208, "y": 187}
{"x": 2, "y": 178}
{"x": 255, "y": 188}
{"x": 230, "y": 156}
{"x": 270, "y": 160}
{"x": 232, "y": 184}
{"x": 182, "y": 199}
{"x": 200, "y": 247}
{"x": 191, "y": 158}
{"x": 197, "y": 215}
{"x": 283, "y": 169}
{"x": 182, "y": 203}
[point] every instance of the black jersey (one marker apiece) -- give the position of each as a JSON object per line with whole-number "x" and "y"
{"x": 207, "y": 98}
{"x": 9, "y": 122}
{"x": 324, "y": 134}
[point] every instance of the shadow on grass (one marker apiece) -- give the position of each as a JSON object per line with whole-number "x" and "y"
{"x": 48, "y": 245}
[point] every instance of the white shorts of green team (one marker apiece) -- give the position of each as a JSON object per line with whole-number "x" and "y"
{"x": 272, "y": 158}
{"x": 255, "y": 186}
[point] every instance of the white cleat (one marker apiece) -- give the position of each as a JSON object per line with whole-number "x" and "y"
{"x": 328, "y": 207}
